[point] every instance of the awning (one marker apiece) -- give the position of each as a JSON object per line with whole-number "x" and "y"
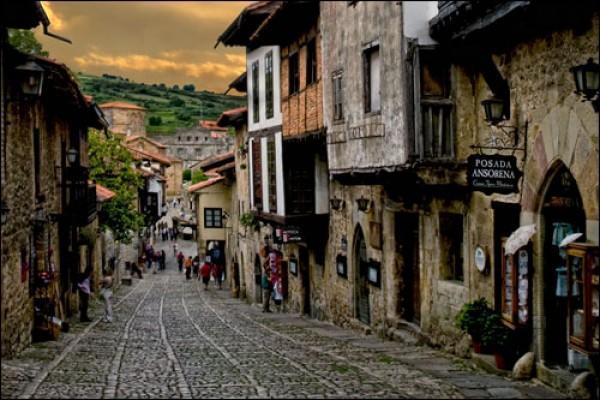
{"x": 518, "y": 239}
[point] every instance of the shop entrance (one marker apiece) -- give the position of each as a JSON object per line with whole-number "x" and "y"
{"x": 407, "y": 249}
{"x": 562, "y": 214}
{"x": 361, "y": 268}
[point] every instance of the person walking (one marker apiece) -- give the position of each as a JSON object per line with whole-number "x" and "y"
{"x": 163, "y": 260}
{"x": 174, "y": 249}
{"x": 84, "y": 286}
{"x": 219, "y": 275}
{"x": 205, "y": 270}
{"x": 195, "y": 266}
{"x": 106, "y": 293}
{"x": 188, "y": 267}
{"x": 180, "y": 258}
{"x": 266, "y": 288}
{"x": 157, "y": 257}
{"x": 136, "y": 270}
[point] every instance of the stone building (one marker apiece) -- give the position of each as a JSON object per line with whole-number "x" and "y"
{"x": 196, "y": 144}
{"x": 49, "y": 207}
{"x": 173, "y": 173}
{"x": 239, "y": 279}
{"x": 299, "y": 224}
{"x": 521, "y": 57}
{"x": 126, "y": 119}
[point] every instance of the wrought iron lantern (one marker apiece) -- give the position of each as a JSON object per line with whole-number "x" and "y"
{"x": 72, "y": 155}
{"x": 494, "y": 109}
{"x": 4, "y": 215}
{"x": 336, "y": 203}
{"x": 587, "y": 81}
{"x": 32, "y": 78}
{"x": 363, "y": 203}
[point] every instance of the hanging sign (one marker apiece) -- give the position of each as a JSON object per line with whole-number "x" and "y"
{"x": 291, "y": 235}
{"x": 493, "y": 173}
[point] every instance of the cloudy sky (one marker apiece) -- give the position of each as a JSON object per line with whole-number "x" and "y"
{"x": 151, "y": 42}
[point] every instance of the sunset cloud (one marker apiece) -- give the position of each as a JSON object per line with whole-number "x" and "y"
{"x": 57, "y": 23}
{"x": 141, "y": 62}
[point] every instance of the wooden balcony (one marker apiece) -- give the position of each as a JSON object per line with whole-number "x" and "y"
{"x": 81, "y": 206}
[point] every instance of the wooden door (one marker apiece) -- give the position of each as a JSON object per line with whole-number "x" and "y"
{"x": 362, "y": 285}
{"x": 305, "y": 274}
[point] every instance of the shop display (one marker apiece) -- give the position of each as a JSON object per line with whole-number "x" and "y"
{"x": 515, "y": 287}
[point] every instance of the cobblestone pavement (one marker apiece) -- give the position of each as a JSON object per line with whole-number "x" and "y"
{"x": 172, "y": 339}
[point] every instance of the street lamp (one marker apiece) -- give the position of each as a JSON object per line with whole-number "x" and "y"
{"x": 32, "y": 78}
{"x": 363, "y": 203}
{"x": 336, "y": 203}
{"x": 72, "y": 156}
{"x": 494, "y": 110}
{"x": 587, "y": 81}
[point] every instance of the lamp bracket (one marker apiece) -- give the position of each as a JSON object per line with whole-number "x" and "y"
{"x": 504, "y": 138}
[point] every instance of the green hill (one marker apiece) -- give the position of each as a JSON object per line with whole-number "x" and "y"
{"x": 168, "y": 108}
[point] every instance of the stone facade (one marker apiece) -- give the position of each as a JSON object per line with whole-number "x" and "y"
{"x": 195, "y": 144}
{"x": 125, "y": 118}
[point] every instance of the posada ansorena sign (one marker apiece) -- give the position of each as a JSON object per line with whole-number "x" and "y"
{"x": 493, "y": 173}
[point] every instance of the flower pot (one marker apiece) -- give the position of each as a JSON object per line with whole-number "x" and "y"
{"x": 502, "y": 361}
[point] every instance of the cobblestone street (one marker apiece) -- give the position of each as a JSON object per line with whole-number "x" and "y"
{"x": 172, "y": 339}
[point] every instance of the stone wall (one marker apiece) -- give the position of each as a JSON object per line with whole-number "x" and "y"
{"x": 126, "y": 121}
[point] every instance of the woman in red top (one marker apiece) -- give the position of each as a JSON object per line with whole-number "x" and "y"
{"x": 205, "y": 271}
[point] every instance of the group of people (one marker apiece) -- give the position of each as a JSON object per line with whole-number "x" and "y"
{"x": 85, "y": 286}
{"x": 154, "y": 260}
{"x": 202, "y": 272}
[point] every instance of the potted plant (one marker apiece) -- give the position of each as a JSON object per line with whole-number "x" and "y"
{"x": 471, "y": 319}
{"x": 499, "y": 338}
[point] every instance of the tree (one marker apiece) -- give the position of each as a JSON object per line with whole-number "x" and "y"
{"x": 189, "y": 88}
{"x": 155, "y": 121}
{"x": 24, "y": 40}
{"x": 187, "y": 175}
{"x": 111, "y": 166}
{"x": 175, "y": 87}
{"x": 176, "y": 102}
{"x": 198, "y": 176}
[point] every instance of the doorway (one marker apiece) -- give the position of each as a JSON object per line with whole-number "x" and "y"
{"x": 257, "y": 279}
{"x": 562, "y": 214}
{"x": 361, "y": 268}
{"x": 407, "y": 251}
{"x": 305, "y": 274}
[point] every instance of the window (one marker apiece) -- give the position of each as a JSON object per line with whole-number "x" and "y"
{"x": 212, "y": 218}
{"x": 371, "y": 75}
{"x": 257, "y": 174}
{"x": 294, "y": 74}
{"x": 300, "y": 183}
{"x": 272, "y": 175}
{"x": 37, "y": 160}
{"x": 255, "y": 99}
{"x": 198, "y": 152}
{"x": 451, "y": 247}
{"x": 269, "y": 84}
{"x": 433, "y": 106}
{"x": 338, "y": 108}
{"x": 311, "y": 62}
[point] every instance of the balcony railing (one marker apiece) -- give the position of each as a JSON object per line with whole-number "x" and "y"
{"x": 81, "y": 196}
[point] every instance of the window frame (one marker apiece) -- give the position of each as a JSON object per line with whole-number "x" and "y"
{"x": 269, "y": 87}
{"x": 337, "y": 95}
{"x": 255, "y": 92}
{"x": 294, "y": 73}
{"x": 272, "y": 174}
{"x": 311, "y": 62}
{"x": 257, "y": 173}
{"x": 367, "y": 52}
{"x": 213, "y": 216}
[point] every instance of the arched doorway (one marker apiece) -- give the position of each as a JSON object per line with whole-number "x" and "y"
{"x": 561, "y": 214}
{"x": 361, "y": 283}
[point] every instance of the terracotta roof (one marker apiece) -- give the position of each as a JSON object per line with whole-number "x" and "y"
{"x": 145, "y": 173}
{"x": 216, "y": 159}
{"x": 142, "y": 154}
{"x": 212, "y": 125}
{"x": 103, "y": 193}
{"x": 154, "y": 142}
{"x": 238, "y": 84}
{"x": 205, "y": 184}
{"x": 231, "y": 116}
{"x": 121, "y": 104}
{"x": 229, "y": 165}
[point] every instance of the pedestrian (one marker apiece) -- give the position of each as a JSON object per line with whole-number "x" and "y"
{"x": 180, "y": 258}
{"x": 188, "y": 267}
{"x": 157, "y": 257}
{"x": 195, "y": 266}
{"x": 136, "y": 270}
{"x": 163, "y": 260}
{"x": 106, "y": 293}
{"x": 219, "y": 275}
{"x": 174, "y": 249}
{"x": 149, "y": 258}
{"x": 84, "y": 286}
{"x": 205, "y": 270}
{"x": 165, "y": 233}
{"x": 266, "y": 287}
